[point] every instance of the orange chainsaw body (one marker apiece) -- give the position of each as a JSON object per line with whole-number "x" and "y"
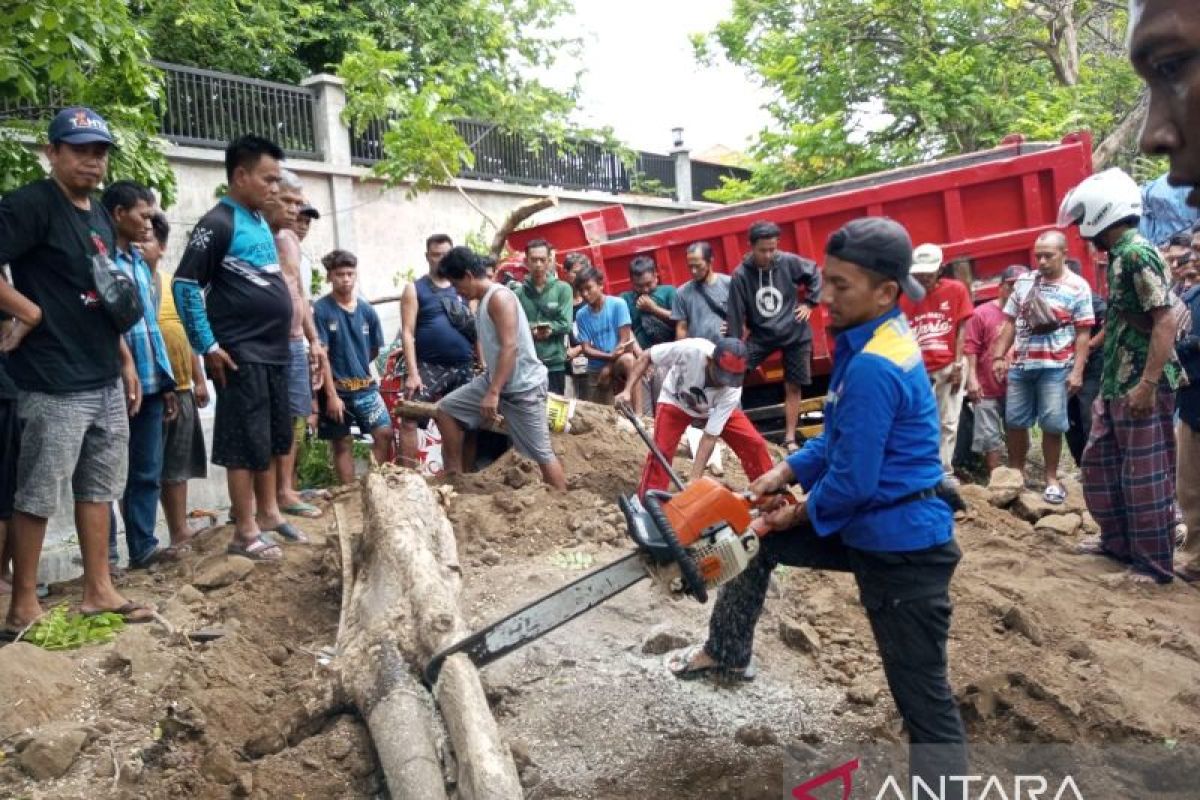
{"x": 703, "y": 504}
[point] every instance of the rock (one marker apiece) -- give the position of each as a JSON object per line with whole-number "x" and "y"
{"x": 1059, "y": 524}
{"x": 1016, "y": 619}
{"x": 221, "y": 570}
{"x": 974, "y": 495}
{"x": 863, "y": 693}
{"x": 530, "y": 777}
{"x": 755, "y": 736}
{"x": 137, "y": 649}
{"x": 1031, "y": 506}
{"x": 1080, "y": 651}
{"x": 338, "y": 748}
{"x": 131, "y": 771}
{"x": 800, "y": 636}
{"x": 1088, "y": 524}
{"x": 278, "y": 655}
{"x": 490, "y": 557}
{"x": 189, "y": 595}
{"x": 39, "y": 686}
{"x": 507, "y": 502}
{"x": 245, "y": 784}
{"x": 520, "y": 754}
{"x": 219, "y": 765}
{"x": 663, "y": 640}
{"x": 266, "y": 743}
{"x": 1004, "y": 485}
{"x": 52, "y": 751}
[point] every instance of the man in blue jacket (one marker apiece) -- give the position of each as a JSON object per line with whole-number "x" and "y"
{"x": 1187, "y": 441}
{"x": 871, "y": 504}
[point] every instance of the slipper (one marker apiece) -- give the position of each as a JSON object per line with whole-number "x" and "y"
{"x": 1090, "y": 546}
{"x": 679, "y": 665}
{"x": 128, "y": 612}
{"x": 1055, "y": 495}
{"x": 8, "y": 635}
{"x": 256, "y": 550}
{"x": 289, "y": 532}
{"x": 305, "y": 510}
{"x": 315, "y": 494}
{"x": 161, "y": 555}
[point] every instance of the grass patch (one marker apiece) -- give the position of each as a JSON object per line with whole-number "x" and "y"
{"x": 314, "y": 462}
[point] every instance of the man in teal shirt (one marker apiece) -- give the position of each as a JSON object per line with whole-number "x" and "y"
{"x": 547, "y": 303}
{"x": 649, "y": 304}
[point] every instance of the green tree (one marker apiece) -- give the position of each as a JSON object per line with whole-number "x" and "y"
{"x": 861, "y": 85}
{"x": 60, "y": 54}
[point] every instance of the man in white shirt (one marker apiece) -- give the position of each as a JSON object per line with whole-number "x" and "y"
{"x": 703, "y": 384}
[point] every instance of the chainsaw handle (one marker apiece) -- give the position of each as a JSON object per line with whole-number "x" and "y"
{"x": 693, "y": 582}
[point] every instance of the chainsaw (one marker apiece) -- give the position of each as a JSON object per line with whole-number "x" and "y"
{"x": 692, "y": 542}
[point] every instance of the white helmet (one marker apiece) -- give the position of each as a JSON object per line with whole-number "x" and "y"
{"x": 1101, "y": 201}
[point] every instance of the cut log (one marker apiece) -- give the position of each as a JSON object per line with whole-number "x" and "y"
{"x": 403, "y": 609}
{"x": 518, "y": 215}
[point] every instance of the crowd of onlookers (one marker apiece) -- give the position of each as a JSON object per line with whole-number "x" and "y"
{"x": 117, "y": 414}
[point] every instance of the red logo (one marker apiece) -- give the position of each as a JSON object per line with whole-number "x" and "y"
{"x": 731, "y": 362}
{"x": 845, "y": 772}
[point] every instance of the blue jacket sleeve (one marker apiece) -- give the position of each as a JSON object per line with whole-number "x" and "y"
{"x": 866, "y": 410}
{"x": 808, "y": 463}
{"x": 202, "y": 258}
{"x": 189, "y": 302}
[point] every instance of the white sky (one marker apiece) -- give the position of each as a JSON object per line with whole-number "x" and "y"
{"x": 642, "y": 78}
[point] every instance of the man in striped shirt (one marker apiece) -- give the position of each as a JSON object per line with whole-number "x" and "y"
{"x": 1050, "y": 356}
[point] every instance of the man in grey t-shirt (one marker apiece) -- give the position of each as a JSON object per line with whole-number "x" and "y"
{"x": 701, "y": 304}
{"x": 513, "y": 389}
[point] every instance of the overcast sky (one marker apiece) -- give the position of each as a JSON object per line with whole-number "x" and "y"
{"x": 642, "y": 78}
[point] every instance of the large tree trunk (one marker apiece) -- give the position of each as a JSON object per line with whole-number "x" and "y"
{"x": 516, "y": 217}
{"x": 403, "y": 609}
{"x": 1122, "y": 137}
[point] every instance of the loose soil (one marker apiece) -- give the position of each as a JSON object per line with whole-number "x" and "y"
{"x": 1046, "y": 647}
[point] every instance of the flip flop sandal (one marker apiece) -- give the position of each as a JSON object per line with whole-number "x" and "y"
{"x": 289, "y": 532}
{"x": 127, "y": 612}
{"x": 316, "y": 494}
{"x": 304, "y": 510}
{"x": 255, "y": 551}
{"x": 1055, "y": 495}
{"x": 679, "y": 665}
{"x": 162, "y": 555}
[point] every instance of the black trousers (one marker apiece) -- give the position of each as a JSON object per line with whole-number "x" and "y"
{"x": 556, "y": 381}
{"x": 907, "y": 600}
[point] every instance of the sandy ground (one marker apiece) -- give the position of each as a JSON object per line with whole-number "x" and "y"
{"x": 1046, "y": 647}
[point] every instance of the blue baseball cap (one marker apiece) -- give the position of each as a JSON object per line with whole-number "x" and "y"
{"x": 79, "y": 125}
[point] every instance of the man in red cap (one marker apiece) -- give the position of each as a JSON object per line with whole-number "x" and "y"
{"x": 703, "y": 382}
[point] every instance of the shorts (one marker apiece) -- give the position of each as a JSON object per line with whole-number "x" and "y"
{"x": 440, "y": 380}
{"x": 989, "y": 425}
{"x": 185, "y": 455}
{"x": 365, "y": 408}
{"x": 254, "y": 422}
{"x": 299, "y": 381}
{"x": 10, "y": 448}
{"x": 797, "y": 359}
{"x": 1037, "y": 394}
{"x": 524, "y": 416}
{"x": 83, "y": 436}
{"x": 589, "y": 389}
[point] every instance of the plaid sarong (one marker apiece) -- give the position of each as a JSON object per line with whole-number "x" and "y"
{"x": 1129, "y": 483}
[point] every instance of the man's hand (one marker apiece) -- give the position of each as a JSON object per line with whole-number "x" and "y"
{"x": 412, "y": 385}
{"x": 11, "y": 335}
{"x": 956, "y": 373}
{"x": 973, "y": 388}
{"x": 1141, "y": 399}
{"x": 133, "y": 388}
{"x": 773, "y": 480}
{"x": 787, "y": 516}
{"x": 317, "y": 354}
{"x": 645, "y": 303}
{"x": 541, "y": 332}
{"x": 170, "y": 406}
{"x": 335, "y": 409}
{"x": 803, "y": 312}
{"x": 200, "y": 390}
{"x": 1074, "y": 382}
{"x": 1000, "y": 369}
{"x": 624, "y": 401}
{"x": 215, "y": 364}
{"x": 724, "y": 329}
{"x": 489, "y": 406}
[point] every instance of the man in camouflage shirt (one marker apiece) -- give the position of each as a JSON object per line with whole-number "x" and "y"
{"x": 1129, "y": 462}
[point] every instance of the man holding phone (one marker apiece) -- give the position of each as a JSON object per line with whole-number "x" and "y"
{"x": 547, "y": 304}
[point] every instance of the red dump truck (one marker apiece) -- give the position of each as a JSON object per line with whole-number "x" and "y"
{"x": 988, "y": 207}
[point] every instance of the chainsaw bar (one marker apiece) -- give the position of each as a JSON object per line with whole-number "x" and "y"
{"x": 544, "y": 614}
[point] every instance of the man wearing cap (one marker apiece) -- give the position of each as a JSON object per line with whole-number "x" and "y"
{"x": 304, "y": 219}
{"x": 939, "y": 323}
{"x": 872, "y": 506}
{"x": 703, "y": 382}
{"x": 77, "y": 380}
{"x": 984, "y": 391}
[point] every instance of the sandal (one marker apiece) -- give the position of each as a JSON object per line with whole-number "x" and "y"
{"x": 1055, "y": 495}
{"x": 305, "y": 510}
{"x": 1090, "y": 546}
{"x": 289, "y": 532}
{"x": 679, "y": 664}
{"x": 256, "y": 550}
{"x": 308, "y": 495}
{"x": 132, "y": 613}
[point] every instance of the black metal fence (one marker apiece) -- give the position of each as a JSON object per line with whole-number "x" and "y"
{"x": 208, "y": 109}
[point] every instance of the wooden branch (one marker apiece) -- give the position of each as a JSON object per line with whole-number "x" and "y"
{"x": 518, "y": 215}
{"x": 387, "y": 298}
{"x": 1122, "y": 135}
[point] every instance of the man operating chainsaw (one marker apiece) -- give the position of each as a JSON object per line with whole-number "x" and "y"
{"x": 703, "y": 383}
{"x": 872, "y": 505}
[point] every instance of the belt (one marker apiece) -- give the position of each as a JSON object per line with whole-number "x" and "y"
{"x": 354, "y": 384}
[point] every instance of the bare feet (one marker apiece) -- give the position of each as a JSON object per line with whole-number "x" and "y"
{"x": 1141, "y": 578}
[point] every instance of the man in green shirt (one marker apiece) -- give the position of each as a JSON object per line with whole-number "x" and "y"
{"x": 649, "y": 304}
{"x": 1129, "y": 462}
{"x": 547, "y": 304}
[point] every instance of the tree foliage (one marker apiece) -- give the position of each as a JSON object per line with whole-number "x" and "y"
{"x": 860, "y": 85}
{"x": 60, "y": 54}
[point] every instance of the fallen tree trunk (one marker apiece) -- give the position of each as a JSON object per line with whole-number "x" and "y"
{"x": 403, "y": 609}
{"x": 518, "y": 215}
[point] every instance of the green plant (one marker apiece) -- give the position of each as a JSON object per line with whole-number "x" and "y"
{"x": 60, "y": 630}
{"x": 640, "y": 184}
{"x": 314, "y": 464}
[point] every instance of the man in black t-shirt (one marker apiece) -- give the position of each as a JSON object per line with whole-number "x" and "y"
{"x": 68, "y": 362}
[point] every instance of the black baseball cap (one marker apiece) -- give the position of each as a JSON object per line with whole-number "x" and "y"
{"x": 79, "y": 125}
{"x": 1012, "y": 272}
{"x": 309, "y": 210}
{"x": 729, "y": 361}
{"x": 879, "y": 244}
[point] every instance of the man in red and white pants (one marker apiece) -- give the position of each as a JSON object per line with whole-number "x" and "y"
{"x": 703, "y": 382}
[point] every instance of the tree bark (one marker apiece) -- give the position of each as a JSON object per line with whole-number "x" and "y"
{"x": 518, "y": 215}
{"x": 1123, "y": 135}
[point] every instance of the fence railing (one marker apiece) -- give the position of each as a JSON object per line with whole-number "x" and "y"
{"x": 207, "y": 109}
